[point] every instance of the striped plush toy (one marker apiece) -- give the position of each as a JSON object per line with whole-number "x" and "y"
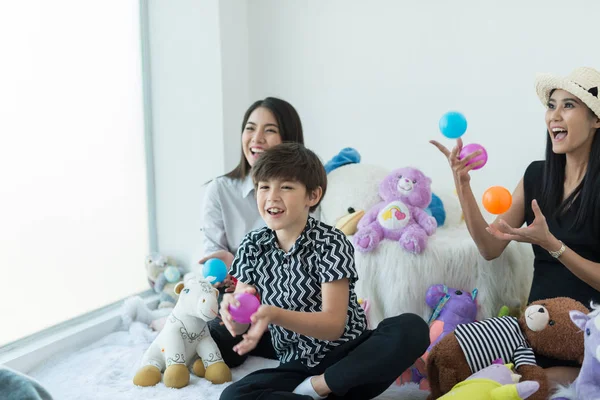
{"x": 542, "y": 329}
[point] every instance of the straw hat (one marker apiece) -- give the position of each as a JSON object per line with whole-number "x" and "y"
{"x": 583, "y": 82}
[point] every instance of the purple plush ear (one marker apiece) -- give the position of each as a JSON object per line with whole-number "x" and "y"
{"x": 434, "y": 294}
{"x": 527, "y": 388}
{"x": 579, "y": 318}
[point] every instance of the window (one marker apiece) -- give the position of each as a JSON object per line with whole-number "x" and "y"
{"x": 73, "y": 194}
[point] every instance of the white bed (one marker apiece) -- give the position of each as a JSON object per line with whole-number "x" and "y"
{"x": 104, "y": 370}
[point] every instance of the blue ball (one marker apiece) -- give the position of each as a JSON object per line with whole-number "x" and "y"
{"x": 216, "y": 269}
{"x": 453, "y": 124}
{"x": 172, "y": 274}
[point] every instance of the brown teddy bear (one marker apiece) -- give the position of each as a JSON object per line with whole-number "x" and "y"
{"x": 544, "y": 328}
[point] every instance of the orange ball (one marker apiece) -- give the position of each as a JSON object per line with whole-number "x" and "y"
{"x": 497, "y": 200}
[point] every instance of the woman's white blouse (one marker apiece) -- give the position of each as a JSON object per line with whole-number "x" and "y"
{"x": 229, "y": 213}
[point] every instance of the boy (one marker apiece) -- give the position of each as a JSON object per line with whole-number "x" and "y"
{"x": 304, "y": 273}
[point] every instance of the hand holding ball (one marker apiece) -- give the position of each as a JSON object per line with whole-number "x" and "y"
{"x": 214, "y": 270}
{"x": 248, "y": 306}
{"x": 472, "y": 148}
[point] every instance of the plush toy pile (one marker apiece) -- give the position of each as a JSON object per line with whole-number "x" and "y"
{"x": 545, "y": 328}
{"x": 394, "y": 279}
{"x": 163, "y": 274}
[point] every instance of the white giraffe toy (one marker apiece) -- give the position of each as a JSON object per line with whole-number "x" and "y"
{"x": 184, "y": 336}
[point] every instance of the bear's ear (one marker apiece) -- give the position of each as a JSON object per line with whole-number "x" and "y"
{"x": 435, "y": 294}
{"x": 579, "y": 318}
{"x": 179, "y": 287}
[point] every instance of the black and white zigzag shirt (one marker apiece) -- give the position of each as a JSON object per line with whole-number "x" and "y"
{"x": 292, "y": 281}
{"x": 500, "y": 337}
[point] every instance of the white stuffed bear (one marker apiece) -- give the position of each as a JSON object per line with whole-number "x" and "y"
{"x": 185, "y": 336}
{"x": 394, "y": 281}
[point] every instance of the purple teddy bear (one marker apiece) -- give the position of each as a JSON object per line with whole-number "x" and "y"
{"x": 401, "y": 216}
{"x": 451, "y": 307}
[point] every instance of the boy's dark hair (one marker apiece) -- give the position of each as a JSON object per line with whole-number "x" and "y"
{"x": 294, "y": 162}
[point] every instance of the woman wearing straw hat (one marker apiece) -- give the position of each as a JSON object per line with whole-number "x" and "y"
{"x": 558, "y": 198}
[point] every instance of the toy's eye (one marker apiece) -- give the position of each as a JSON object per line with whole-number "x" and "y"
{"x": 458, "y": 292}
{"x": 400, "y": 176}
{"x": 588, "y": 332}
{"x": 351, "y": 210}
{"x": 186, "y": 290}
{"x": 204, "y": 300}
{"x": 414, "y": 181}
{"x": 551, "y": 322}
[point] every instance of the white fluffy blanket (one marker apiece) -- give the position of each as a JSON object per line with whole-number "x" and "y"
{"x": 395, "y": 281}
{"x": 105, "y": 369}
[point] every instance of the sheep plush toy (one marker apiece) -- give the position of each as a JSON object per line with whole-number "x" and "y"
{"x": 401, "y": 215}
{"x": 185, "y": 337}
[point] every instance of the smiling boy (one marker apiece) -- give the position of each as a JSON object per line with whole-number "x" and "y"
{"x": 305, "y": 275}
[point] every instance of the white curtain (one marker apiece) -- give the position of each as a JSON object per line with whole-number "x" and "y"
{"x": 73, "y": 202}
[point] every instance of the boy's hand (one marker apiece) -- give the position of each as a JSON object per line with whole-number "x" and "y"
{"x": 228, "y": 298}
{"x": 227, "y": 258}
{"x": 260, "y": 322}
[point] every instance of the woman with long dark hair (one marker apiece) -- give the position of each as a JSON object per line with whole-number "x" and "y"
{"x": 557, "y": 198}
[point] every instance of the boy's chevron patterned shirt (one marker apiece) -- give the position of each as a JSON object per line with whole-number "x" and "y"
{"x": 292, "y": 281}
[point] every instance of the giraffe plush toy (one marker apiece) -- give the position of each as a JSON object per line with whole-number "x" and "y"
{"x": 184, "y": 337}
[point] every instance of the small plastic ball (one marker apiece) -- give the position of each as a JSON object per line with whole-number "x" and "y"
{"x": 172, "y": 274}
{"x": 471, "y": 148}
{"x": 497, "y": 200}
{"x": 453, "y": 124}
{"x": 248, "y": 306}
{"x": 216, "y": 269}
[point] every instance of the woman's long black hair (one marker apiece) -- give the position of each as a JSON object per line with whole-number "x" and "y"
{"x": 553, "y": 185}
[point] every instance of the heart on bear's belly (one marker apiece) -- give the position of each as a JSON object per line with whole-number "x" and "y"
{"x": 399, "y": 214}
{"x": 395, "y": 215}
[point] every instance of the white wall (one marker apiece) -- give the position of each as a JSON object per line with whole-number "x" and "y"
{"x": 374, "y": 75}
{"x": 235, "y": 75}
{"x": 187, "y": 108}
{"x": 378, "y": 75}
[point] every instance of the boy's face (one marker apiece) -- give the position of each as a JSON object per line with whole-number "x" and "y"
{"x": 284, "y": 205}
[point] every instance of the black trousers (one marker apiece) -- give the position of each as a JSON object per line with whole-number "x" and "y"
{"x": 360, "y": 369}
{"x": 225, "y": 342}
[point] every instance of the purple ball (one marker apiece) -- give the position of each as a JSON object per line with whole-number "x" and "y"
{"x": 470, "y": 148}
{"x": 248, "y": 306}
